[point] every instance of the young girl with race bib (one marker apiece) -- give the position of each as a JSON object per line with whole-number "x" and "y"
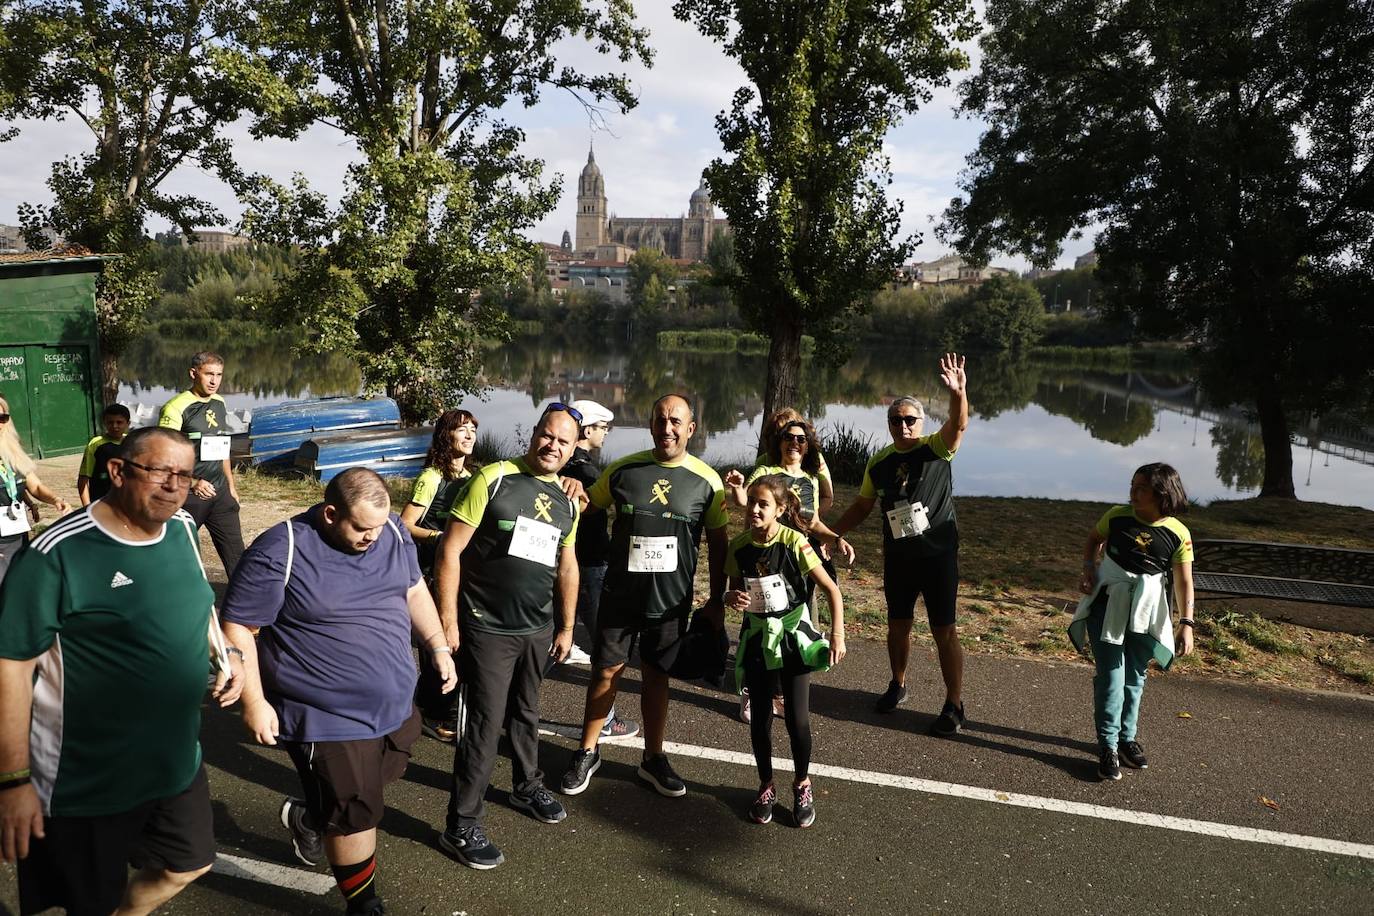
{"x": 768, "y": 566}
{"x": 1124, "y": 615}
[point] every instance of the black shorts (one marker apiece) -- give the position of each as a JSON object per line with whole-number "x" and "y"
{"x": 343, "y": 780}
{"x": 660, "y": 640}
{"x": 934, "y": 578}
{"x": 82, "y": 864}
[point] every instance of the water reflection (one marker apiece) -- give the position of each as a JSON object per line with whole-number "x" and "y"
{"x": 1037, "y": 429}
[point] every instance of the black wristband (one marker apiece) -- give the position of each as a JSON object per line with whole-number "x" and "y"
{"x": 1185, "y": 622}
{"x": 15, "y": 783}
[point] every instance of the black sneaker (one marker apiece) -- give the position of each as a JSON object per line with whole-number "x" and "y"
{"x": 579, "y": 774}
{"x": 803, "y": 806}
{"x": 539, "y": 805}
{"x": 1110, "y": 765}
{"x": 894, "y": 697}
{"x": 1133, "y": 755}
{"x": 470, "y": 846}
{"x": 761, "y": 811}
{"x": 659, "y": 773}
{"x": 949, "y": 722}
{"x": 306, "y": 841}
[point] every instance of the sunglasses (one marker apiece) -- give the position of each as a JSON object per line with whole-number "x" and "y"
{"x": 905, "y": 421}
{"x": 162, "y": 475}
{"x": 557, "y": 406}
{"x": 799, "y": 438}
{"x": 4, "y": 418}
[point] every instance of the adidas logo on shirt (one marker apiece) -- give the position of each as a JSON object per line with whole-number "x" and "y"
{"x": 120, "y": 580}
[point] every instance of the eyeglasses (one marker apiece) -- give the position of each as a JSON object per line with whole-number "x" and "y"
{"x": 799, "y": 438}
{"x": 160, "y": 476}
{"x": 556, "y": 406}
{"x": 4, "y": 418}
{"x": 905, "y": 420}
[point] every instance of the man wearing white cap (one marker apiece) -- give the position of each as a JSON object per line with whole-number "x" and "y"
{"x": 593, "y": 543}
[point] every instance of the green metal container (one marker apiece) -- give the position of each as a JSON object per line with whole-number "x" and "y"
{"x": 49, "y": 351}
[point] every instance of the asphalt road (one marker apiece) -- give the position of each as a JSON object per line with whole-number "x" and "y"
{"x": 874, "y": 848}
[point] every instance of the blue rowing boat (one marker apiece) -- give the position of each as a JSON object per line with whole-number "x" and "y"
{"x": 389, "y": 452}
{"x": 276, "y": 433}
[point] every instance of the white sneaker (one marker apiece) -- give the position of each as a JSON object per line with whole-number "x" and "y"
{"x": 578, "y": 657}
{"x": 744, "y": 705}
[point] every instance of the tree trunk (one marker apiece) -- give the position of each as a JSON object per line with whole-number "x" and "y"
{"x": 109, "y": 375}
{"x": 1278, "y": 451}
{"x": 784, "y": 362}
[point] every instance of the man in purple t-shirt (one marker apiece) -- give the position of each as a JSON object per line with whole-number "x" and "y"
{"x": 340, "y": 592}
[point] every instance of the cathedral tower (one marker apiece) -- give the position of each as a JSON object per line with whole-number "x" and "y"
{"x": 592, "y": 212}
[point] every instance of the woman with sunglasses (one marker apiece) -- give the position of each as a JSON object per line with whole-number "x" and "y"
{"x": 17, "y": 478}
{"x": 795, "y": 455}
{"x": 447, "y": 472}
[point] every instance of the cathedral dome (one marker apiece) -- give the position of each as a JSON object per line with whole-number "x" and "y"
{"x": 591, "y": 169}
{"x": 701, "y": 195}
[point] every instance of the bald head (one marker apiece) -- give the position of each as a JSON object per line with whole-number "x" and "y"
{"x": 553, "y": 442}
{"x": 672, "y": 427}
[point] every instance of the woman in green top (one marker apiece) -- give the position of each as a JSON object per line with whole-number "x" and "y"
{"x": 445, "y": 476}
{"x": 448, "y": 470}
{"x": 1125, "y": 615}
{"x": 769, "y": 567}
{"x": 17, "y": 478}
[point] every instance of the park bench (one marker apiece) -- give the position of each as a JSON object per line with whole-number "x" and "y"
{"x": 1285, "y": 572}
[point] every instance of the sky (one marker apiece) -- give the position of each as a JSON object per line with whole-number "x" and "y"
{"x": 651, "y": 157}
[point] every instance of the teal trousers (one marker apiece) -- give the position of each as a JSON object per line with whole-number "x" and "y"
{"x": 1118, "y": 683}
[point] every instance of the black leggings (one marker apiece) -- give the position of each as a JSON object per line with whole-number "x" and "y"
{"x": 796, "y": 693}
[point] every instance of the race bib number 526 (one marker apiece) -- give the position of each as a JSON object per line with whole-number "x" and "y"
{"x": 653, "y": 555}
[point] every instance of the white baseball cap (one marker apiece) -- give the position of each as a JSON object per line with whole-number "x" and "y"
{"x": 592, "y": 412}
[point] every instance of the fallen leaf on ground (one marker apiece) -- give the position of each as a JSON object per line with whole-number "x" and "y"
{"x": 1269, "y": 803}
{"x": 1185, "y": 715}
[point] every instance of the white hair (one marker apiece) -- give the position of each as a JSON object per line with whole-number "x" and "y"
{"x": 11, "y": 449}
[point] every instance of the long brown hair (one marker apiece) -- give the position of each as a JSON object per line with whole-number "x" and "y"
{"x": 811, "y": 458}
{"x": 442, "y": 452}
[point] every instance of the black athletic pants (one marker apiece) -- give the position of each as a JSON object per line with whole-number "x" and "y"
{"x": 796, "y": 694}
{"x": 496, "y": 668}
{"x": 220, "y": 514}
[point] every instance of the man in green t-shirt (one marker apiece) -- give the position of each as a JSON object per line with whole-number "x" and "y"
{"x": 106, "y": 629}
{"x": 910, "y": 480}
{"x": 200, "y": 413}
{"x": 660, "y": 502}
{"x": 507, "y": 581}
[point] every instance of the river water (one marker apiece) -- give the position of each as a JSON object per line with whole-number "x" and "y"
{"x": 1036, "y": 430}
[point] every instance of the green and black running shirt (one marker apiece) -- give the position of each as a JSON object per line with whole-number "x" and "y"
{"x": 920, "y": 474}
{"x": 437, "y": 494}
{"x": 93, "y": 464}
{"x": 658, "y": 512}
{"x": 121, "y": 632}
{"x": 787, "y": 554}
{"x": 200, "y": 419}
{"x": 1145, "y": 548}
{"x": 510, "y": 566}
{"x": 806, "y": 486}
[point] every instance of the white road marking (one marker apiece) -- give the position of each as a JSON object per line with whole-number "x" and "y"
{"x": 1053, "y": 805}
{"x": 271, "y": 873}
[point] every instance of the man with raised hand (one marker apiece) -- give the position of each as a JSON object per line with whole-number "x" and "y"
{"x": 200, "y": 413}
{"x": 911, "y": 479}
{"x": 105, "y": 640}
{"x": 507, "y": 581}
{"x": 338, "y": 595}
{"x": 661, "y": 500}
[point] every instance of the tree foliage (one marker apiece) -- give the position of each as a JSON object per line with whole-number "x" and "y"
{"x": 651, "y": 273}
{"x": 155, "y": 84}
{"x": 1227, "y": 150}
{"x": 435, "y": 209}
{"x": 1002, "y": 313}
{"x": 804, "y": 178}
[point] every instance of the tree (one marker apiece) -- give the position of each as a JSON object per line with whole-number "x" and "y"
{"x": 804, "y": 183}
{"x": 1227, "y": 150}
{"x": 155, "y": 84}
{"x": 1002, "y": 313}
{"x": 435, "y": 209}
{"x": 651, "y": 273}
